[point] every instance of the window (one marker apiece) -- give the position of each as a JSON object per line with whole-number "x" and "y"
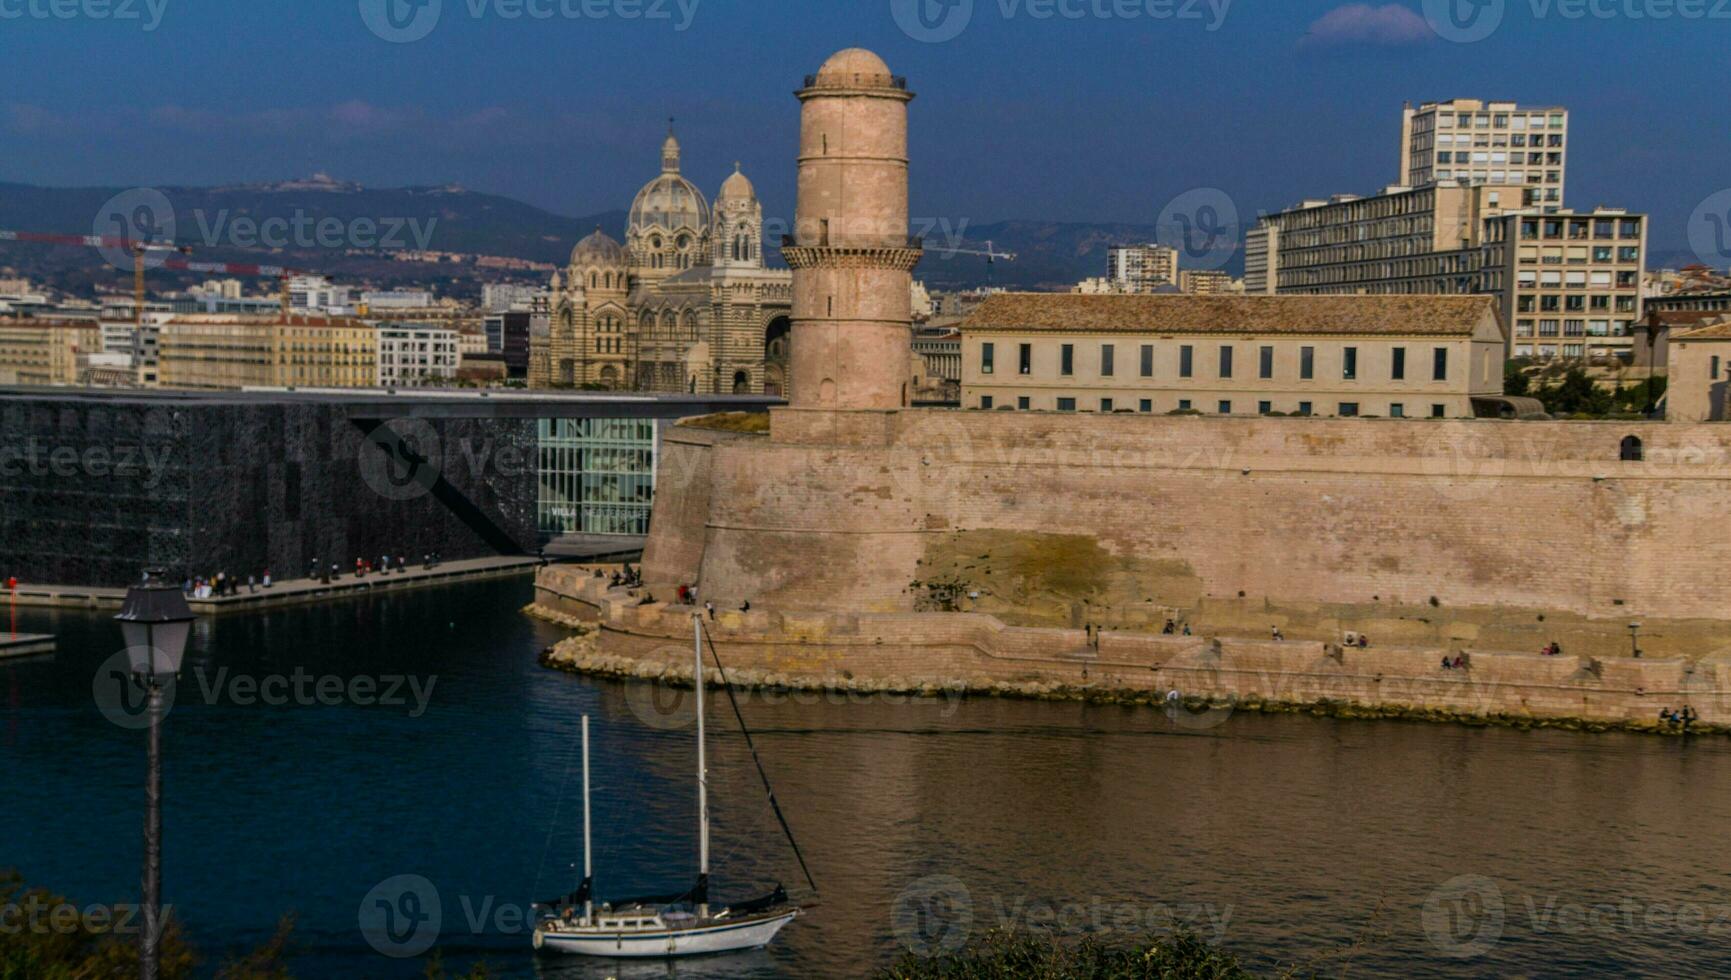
{"x": 1184, "y": 404}
{"x": 1146, "y": 406}
{"x": 1147, "y": 360}
{"x": 1263, "y": 408}
{"x": 1226, "y": 362}
{"x": 1631, "y": 450}
{"x": 1397, "y": 411}
{"x": 1026, "y": 355}
{"x": 1348, "y": 410}
{"x": 1349, "y": 363}
{"x": 1307, "y": 363}
{"x": 1067, "y": 360}
{"x": 1066, "y": 404}
{"x": 1267, "y": 365}
{"x": 1225, "y": 408}
{"x": 988, "y": 354}
{"x": 1712, "y": 375}
{"x": 1186, "y": 361}
{"x": 1397, "y": 371}
{"x": 1106, "y": 405}
{"x": 1022, "y": 403}
{"x": 1439, "y": 411}
{"x": 986, "y": 401}
{"x": 1440, "y": 364}
{"x": 1108, "y": 360}
{"x": 1304, "y": 408}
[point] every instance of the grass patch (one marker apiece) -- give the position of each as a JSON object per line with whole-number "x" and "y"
{"x": 755, "y": 423}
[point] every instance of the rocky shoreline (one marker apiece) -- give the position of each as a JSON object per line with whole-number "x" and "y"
{"x": 578, "y": 655}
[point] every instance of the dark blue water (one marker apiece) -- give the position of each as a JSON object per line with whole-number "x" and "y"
{"x": 1346, "y": 847}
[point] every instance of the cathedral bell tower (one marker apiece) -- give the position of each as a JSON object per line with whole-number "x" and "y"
{"x": 851, "y": 256}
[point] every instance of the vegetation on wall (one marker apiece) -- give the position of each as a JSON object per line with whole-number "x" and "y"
{"x": 1567, "y": 391}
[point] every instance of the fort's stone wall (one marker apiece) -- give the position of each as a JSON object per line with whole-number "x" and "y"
{"x": 971, "y": 653}
{"x": 1124, "y": 519}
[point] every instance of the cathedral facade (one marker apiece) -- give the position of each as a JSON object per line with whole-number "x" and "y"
{"x": 684, "y": 305}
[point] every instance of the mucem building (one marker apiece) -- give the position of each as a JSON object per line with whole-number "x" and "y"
{"x": 99, "y": 484}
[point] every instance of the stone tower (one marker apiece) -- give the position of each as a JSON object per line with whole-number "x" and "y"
{"x": 851, "y": 256}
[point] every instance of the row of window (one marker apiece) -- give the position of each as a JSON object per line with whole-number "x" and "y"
{"x": 1145, "y": 406}
{"x": 1573, "y": 328}
{"x": 1499, "y": 120}
{"x": 1108, "y": 361}
{"x": 1527, "y": 303}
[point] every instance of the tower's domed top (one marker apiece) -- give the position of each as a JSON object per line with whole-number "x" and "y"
{"x": 598, "y": 249}
{"x": 737, "y": 188}
{"x": 846, "y": 65}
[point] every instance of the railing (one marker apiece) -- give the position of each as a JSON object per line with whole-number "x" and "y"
{"x": 857, "y": 80}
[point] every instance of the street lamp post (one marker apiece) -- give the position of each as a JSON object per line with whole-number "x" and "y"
{"x": 156, "y": 622}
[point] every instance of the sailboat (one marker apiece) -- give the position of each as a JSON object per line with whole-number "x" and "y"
{"x": 663, "y": 926}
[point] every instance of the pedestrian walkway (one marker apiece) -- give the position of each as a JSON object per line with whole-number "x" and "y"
{"x": 293, "y": 591}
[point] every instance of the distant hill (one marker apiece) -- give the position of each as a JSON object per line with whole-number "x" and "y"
{"x": 216, "y": 221}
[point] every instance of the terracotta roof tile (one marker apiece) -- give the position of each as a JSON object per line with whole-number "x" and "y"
{"x": 1430, "y": 316}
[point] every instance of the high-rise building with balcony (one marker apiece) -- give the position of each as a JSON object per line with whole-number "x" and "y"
{"x": 1142, "y": 268}
{"x": 1477, "y": 143}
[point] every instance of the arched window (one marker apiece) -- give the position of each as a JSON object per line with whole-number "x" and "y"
{"x": 690, "y": 324}
{"x": 594, "y": 280}
{"x": 1632, "y": 450}
{"x": 741, "y": 383}
{"x": 669, "y": 323}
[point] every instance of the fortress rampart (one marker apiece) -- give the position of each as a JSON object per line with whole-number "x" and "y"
{"x": 1121, "y": 520}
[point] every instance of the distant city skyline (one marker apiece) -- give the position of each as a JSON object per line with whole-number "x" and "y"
{"x": 1267, "y": 102}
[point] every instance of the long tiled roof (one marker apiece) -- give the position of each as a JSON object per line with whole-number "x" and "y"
{"x": 1427, "y": 316}
{"x": 1717, "y": 331}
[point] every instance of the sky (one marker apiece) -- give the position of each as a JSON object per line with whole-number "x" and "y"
{"x": 1058, "y": 110}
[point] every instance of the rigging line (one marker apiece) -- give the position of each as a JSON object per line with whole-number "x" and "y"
{"x": 552, "y": 828}
{"x": 773, "y": 803}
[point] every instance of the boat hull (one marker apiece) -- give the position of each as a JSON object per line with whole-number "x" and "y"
{"x": 728, "y": 937}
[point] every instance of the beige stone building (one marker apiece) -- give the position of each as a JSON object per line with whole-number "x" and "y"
{"x": 1208, "y": 282}
{"x": 1142, "y": 268}
{"x": 1395, "y": 356}
{"x": 46, "y": 352}
{"x": 1474, "y": 143}
{"x": 1699, "y": 384}
{"x": 686, "y": 304}
{"x": 220, "y": 351}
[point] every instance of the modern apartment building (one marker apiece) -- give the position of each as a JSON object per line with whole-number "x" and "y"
{"x": 1391, "y": 356}
{"x": 46, "y": 352}
{"x": 414, "y": 354}
{"x": 227, "y": 352}
{"x": 1568, "y": 284}
{"x": 1207, "y": 282}
{"x": 1474, "y": 142}
{"x": 1142, "y": 268}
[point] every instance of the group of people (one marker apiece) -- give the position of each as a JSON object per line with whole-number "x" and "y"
{"x": 221, "y": 585}
{"x": 1678, "y": 720}
{"x": 1458, "y": 663}
{"x": 1552, "y": 649}
{"x": 319, "y": 571}
{"x": 1172, "y": 628}
{"x": 628, "y": 578}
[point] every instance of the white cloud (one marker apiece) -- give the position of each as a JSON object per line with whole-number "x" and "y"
{"x": 1361, "y": 23}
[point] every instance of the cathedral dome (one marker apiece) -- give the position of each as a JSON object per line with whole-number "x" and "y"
{"x": 736, "y": 188}
{"x": 669, "y": 202}
{"x": 599, "y": 249}
{"x": 854, "y": 64}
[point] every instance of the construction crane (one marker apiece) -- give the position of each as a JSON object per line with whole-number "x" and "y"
{"x": 140, "y": 250}
{"x": 991, "y": 254}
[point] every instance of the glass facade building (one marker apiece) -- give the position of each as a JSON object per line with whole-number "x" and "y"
{"x": 597, "y": 476}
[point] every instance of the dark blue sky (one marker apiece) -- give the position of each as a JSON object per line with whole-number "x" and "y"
{"x": 1091, "y": 118}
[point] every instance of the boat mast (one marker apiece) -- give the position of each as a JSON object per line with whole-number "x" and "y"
{"x": 702, "y": 778}
{"x": 588, "y": 873}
